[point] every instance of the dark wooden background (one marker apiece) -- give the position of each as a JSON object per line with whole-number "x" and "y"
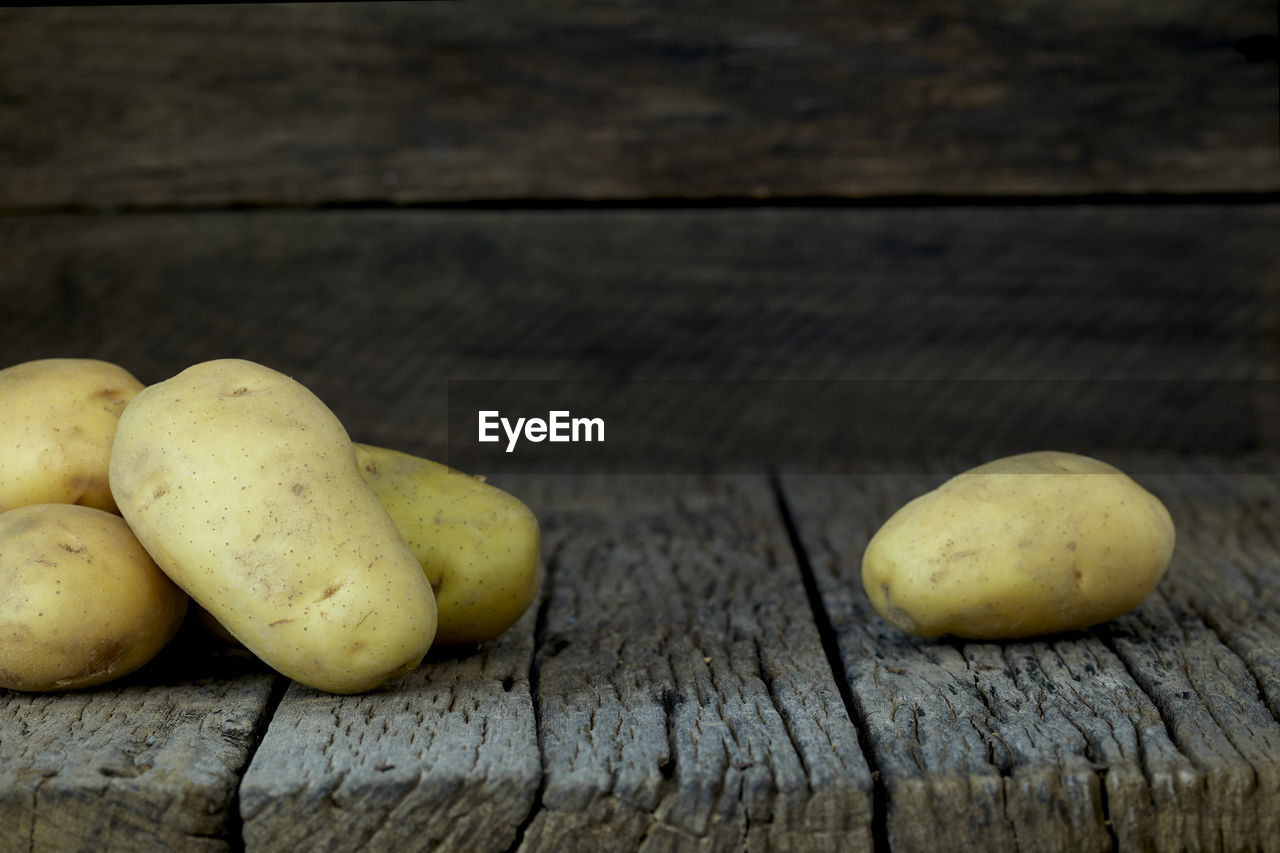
{"x": 377, "y": 198}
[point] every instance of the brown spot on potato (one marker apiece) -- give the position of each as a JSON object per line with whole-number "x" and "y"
{"x": 329, "y": 591}
{"x": 160, "y": 491}
{"x": 279, "y": 622}
{"x": 298, "y": 489}
{"x": 895, "y": 614}
{"x": 370, "y": 466}
{"x": 238, "y": 392}
{"x": 103, "y": 657}
{"x": 113, "y": 399}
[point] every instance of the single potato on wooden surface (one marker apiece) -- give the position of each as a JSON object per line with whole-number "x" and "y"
{"x": 1031, "y": 544}
{"x": 81, "y": 602}
{"x": 244, "y": 487}
{"x": 478, "y": 545}
{"x": 58, "y": 417}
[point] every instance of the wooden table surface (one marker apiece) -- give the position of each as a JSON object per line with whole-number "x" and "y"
{"x": 378, "y": 198}
{"x": 702, "y": 671}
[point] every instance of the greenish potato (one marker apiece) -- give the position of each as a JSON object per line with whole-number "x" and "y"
{"x": 81, "y": 601}
{"x": 1026, "y": 545}
{"x": 477, "y": 544}
{"x": 244, "y": 487}
{"x": 58, "y": 418}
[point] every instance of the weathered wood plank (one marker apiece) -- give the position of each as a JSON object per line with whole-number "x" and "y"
{"x": 376, "y": 310}
{"x": 443, "y": 759}
{"x": 685, "y": 701}
{"x": 412, "y": 102}
{"x": 1221, "y": 593}
{"x": 153, "y": 764}
{"x": 1237, "y": 499}
{"x": 1146, "y": 732}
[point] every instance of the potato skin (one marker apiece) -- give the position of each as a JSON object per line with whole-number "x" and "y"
{"x": 1022, "y": 546}
{"x": 243, "y": 486}
{"x": 81, "y": 602}
{"x": 58, "y": 417}
{"x": 478, "y": 545}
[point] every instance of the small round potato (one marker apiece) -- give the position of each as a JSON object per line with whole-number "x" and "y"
{"x": 1031, "y": 544}
{"x": 58, "y": 418}
{"x": 81, "y": 602}
{"x": 478, "y": 545}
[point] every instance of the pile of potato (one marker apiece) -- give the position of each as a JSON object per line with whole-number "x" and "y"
{"x": 339, "y": 564}
{"x": 233, "y": 486}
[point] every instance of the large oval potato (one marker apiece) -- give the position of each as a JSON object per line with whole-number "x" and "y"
{"x": 57, "y": 420}
{"x": 478, "y": 545}
{"x": 1031, "y": 544}
{"x": 81, "y": 602}
{"x": 244, "y": 487}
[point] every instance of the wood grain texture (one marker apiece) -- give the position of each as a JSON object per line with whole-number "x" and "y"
{"x": 685, "y": 701}
{"x": 1236, "y": 498}
{"x": 1146, "y": 732}
{"x": 377, "y": 310}
{"x": 443, "y": 759}
{"x": 152, "y": 763}
{"x": 419, "y": 102}
{"x": 1218, "y": 703}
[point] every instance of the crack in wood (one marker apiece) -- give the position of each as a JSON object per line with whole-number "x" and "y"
{"x": 550, "y": 565}
{"x": 35, "y": 812}
{"x": 827, "y": 636}
{"x": 779, "y": 709}
{"x": 1105, "y": 805}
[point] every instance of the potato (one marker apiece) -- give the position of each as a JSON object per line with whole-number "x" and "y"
{"x": 477, "y": 544}
{"x": 57, "y": 419}
{"x": 81, "y": 602}
{"x": 244, "y": 487}
{"x": 1030, "y": 544}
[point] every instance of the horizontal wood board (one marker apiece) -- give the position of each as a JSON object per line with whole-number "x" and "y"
{"x": 377, "y": 310}
{"x": 301, "y": 104}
